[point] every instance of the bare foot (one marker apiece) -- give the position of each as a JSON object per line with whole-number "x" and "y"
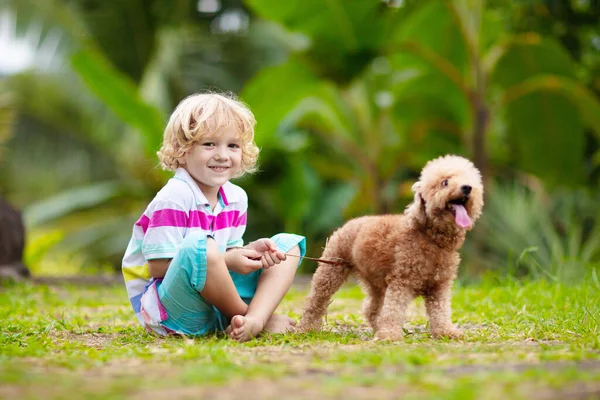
{"x": 280, "y": 324}
{"x": 243, "y": 328}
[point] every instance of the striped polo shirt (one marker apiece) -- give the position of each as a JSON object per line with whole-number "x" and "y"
{"x": 177, "y": 210}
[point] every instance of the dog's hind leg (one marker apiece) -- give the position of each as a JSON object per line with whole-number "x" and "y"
{"x": 373, "y": 303}
{"x": 326, "y": 281}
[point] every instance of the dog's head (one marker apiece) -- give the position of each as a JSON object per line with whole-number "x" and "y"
{"x": 449, "y": 193}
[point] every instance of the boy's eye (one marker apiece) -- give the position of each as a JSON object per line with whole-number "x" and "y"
{"x": 234, "y": 145}
{"x": 208, "y": 144}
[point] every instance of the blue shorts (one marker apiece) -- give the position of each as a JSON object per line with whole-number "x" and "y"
{"x": 179, "y": 291}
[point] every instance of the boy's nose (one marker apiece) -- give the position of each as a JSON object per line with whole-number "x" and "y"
{"x": 221, "y": 153}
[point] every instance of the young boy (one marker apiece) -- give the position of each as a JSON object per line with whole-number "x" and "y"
{"x": 185, "y": 268}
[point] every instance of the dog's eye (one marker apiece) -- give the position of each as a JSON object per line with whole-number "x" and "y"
{"x": 445, "y": 182}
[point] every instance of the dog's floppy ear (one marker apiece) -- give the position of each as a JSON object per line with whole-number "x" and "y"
{"x": 416, "y": 209}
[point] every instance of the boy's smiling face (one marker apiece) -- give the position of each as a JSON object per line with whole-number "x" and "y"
{"x": 214, "y": 160}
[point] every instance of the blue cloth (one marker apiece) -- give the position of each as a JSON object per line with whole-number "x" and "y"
{"x": 179, "y": 292}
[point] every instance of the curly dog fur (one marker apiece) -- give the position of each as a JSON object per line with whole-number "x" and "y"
{"x": 399, "y": 257}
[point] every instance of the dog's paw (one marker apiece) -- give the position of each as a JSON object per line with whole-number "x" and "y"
{"x": 388, "y": 335}
{"x": 304, "y": 327}
{"x": 450, "y": 333}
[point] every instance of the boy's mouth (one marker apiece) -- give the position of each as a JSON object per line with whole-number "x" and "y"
{"x": 219, "y": 169}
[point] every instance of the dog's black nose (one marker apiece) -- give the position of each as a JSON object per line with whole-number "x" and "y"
{"x": 466, "y": 189}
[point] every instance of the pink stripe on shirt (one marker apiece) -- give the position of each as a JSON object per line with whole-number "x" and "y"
{"x": 197, "y": 219}
{"x": 226, "y": 219}
{"x": 229, "y": 219}
{"x": 200, "y": 219}
{"x": 168, "y": 217}
{"x": 143, "y": 223}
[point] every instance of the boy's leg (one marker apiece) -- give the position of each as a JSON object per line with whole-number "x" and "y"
{"x": 196, "y": 280}
{"x": 219, "y": 289}
{"x": 273, "y": 284}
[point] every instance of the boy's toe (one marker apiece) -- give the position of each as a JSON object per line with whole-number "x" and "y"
{"x": 237, "y": 327}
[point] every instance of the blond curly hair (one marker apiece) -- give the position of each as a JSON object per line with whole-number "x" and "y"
{"x": 205, "y": 114}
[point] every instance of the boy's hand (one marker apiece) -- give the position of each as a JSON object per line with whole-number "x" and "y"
{"x": 243, "y": 260}
{"x": 271, "y": 255}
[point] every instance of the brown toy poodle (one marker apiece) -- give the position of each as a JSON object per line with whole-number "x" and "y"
{"x": 399, "y": 257}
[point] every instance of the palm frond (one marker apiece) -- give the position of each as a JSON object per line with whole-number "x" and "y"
{"x": 69, "y": 201}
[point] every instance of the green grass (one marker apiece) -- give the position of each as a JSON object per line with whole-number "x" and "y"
{"x": 522, "y": 340}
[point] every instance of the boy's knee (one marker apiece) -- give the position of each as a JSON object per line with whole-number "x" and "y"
{"x": 198, "y": 244}
{"x": 213, "y": 254}
{"x": 294, "y": 250}
{"x": 290, "y": 242}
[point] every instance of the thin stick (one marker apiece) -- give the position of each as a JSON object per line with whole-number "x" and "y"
{"x": 339, "y": 261}
{"x": 332, "y": 262}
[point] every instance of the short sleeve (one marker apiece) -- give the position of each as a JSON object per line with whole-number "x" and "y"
{"x": 239, "y": 223}
{"x": 167, "y": 227}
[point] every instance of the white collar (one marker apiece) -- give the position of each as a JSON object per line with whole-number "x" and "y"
{"x": 227, "y": 192}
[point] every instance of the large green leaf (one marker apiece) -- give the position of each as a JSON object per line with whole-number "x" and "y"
{"x": 546, "y": 108}
{"x": 434, "y": 91}
{"x": 524, "y": 57}
{"x": 492, "y": 28}
{"x": 273, "y": 93}
{"x": 345, "y": 35}
{"x": 295, "y": 193}
{"x": 349, "y": 24}
{"x": 323, "y": 110}
{"x": 120, "y": 94}
{"x": 430, "y": 116}
{"x": 550, "y": 112}
{"x": 433, "y": 29}
{"x": 333, "y": 201}
{"x": 42, "y": 17}
{"x": 65, "y": 126}
{"x": 327, "y": 114}
{"x": 431, "y": 50}
{"x": 103, "y": 237}
{"x": 59, "y": 102}
{"x": 69, "y": 201}
{"x": 587, "y": 103}
{"x": 547, "y": 136}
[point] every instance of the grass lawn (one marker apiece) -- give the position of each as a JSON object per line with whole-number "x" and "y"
{"x": 533, "y": 340}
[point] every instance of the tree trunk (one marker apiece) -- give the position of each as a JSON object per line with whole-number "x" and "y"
{"x": 480, "y": 122}
{"x": 12, "y": 243}
{"x": 481, "y": 118}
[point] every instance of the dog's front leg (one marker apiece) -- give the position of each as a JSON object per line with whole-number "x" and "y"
{"x": 393, "y": 312}
{"x": 439, "y": 311}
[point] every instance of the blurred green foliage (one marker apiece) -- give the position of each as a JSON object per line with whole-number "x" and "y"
{"x": 351, "y": 98}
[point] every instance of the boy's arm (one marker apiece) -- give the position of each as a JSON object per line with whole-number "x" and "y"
{"x": 167, "y": 222}
{"x": 158, "y": 267}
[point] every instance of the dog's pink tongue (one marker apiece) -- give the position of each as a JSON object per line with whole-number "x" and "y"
{"x": 462, "y": 218}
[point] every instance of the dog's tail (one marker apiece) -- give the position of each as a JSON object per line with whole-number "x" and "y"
{"x": 336, "y": 261}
